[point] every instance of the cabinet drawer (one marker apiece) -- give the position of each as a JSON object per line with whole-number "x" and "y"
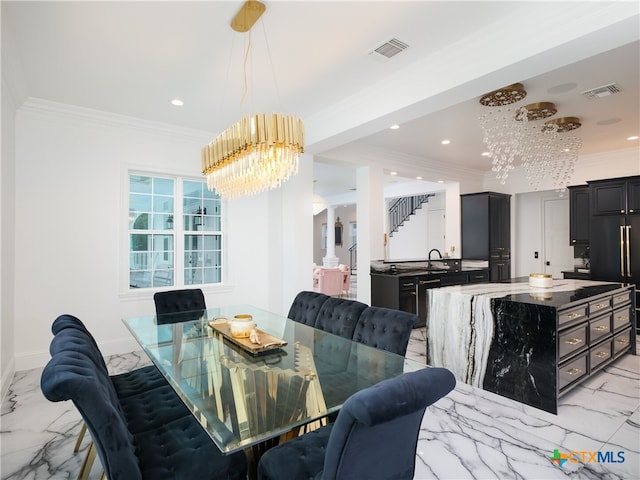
{"x": 621, "y": 342}
{"x": 600, "y": 353}
{"x": 621, "y": 318}
{"x": 572, "y": 371}
{"x": 621, "y": 298}
{"x": 572, "y": 341}
{"x": 599, "y": 328}
{"x": 599, "y": 306}
{"x": 409, "y": 284}
{"x": 573, "y": 315}
{"x": 479, "y": 277}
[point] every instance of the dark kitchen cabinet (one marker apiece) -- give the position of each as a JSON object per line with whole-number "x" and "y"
{"x": 486, "y": 231}
{"x": 409, "y": 292}
{"x": 615, "y": 231}
{"x": 620, "y": 196}
{"x": 579, "y": 215}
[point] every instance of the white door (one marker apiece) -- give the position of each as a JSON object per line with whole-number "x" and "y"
{"x": 557, "y": 253}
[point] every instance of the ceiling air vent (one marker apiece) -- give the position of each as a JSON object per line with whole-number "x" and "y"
{"x": 603, "y": 91}
{"x": 389, "y": 49}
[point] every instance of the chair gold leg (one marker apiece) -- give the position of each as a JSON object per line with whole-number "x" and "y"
{"x": 103, "y": 476}
{"x": 83, "y": 474}
{"x": 83, "y": 430}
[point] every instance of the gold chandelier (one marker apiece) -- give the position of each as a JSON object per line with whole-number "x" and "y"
{"x": 259, "y": 152}
{"x": 514, "y": 132}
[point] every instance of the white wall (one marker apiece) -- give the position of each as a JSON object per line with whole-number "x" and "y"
{"x": 71, "y": 204}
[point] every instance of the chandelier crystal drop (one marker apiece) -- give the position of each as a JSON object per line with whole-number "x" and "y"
{"x": 518, "y": 133}
{"x": 258, "y": 153}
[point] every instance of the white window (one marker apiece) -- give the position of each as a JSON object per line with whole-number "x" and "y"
{"x": 175, "y": 232}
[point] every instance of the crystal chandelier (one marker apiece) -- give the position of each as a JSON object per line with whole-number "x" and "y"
{"x": 518, "y": 133}
{"x": 259, "y": 152}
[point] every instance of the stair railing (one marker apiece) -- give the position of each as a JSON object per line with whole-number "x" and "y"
{"x": 402, "y": 208}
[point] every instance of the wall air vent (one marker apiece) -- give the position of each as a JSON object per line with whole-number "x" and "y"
{"x": 604, "y": 91}
{"x": 388, "y": 49}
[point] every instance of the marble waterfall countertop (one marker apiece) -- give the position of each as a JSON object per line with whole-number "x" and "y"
{"x": 562, "y": 293}
{"x": 501, "y": 337}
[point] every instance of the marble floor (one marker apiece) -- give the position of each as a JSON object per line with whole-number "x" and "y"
{"x": 470, "y": 434}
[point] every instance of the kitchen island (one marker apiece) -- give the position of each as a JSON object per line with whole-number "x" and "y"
{"x": 529, "y": 344}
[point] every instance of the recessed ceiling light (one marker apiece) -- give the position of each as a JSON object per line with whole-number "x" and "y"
{"x": 176, "y": 102}
{"x": 393, "y": 173}
{"x": 486, "y": 154}
{"x": 394, "y": 127}
{"x": 445, "y": 142}
{"x": 440, "y": 181}
{"x": 633, "y": 137}
{"x": 418, "y": 178}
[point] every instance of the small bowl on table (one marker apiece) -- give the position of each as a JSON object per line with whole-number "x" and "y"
{"x": 241, "y": 326}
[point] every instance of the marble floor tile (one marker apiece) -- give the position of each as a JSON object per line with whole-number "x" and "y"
{"x": 470, "y": 434}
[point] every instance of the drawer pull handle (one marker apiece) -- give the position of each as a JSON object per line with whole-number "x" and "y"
{"x": 602, "y": 354}
{"x": 574, "y": 315}
{"x": 424, "y": 282}
{"x": 600, "y": 305}
{"x": 623, "y": 341}
{"x": 573, "y": 341}
{"x": 622, "y": 317}
{"x": 574, "y": 371}
{"x": 601, "y": 328}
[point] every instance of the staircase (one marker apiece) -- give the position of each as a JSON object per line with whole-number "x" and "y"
{"x": 401, "y": 209}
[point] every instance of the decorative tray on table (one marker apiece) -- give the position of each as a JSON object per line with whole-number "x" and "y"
{"x": 267, "y": 343}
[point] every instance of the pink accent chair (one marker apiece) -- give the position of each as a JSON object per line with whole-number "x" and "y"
{"x": 346, "y": 278}
{"x": 328, "y": 281}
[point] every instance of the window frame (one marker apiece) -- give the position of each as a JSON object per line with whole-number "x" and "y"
{"x": 179, "y": 234}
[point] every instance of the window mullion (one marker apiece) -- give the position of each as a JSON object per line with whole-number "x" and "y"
{"x": 179, "y": 232}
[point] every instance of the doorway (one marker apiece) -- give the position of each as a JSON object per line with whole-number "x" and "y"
{"x": 557, "y": 253}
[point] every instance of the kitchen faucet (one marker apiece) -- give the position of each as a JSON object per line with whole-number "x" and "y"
{"x": 430, "y": 252}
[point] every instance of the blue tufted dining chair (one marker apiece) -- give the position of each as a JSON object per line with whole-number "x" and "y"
{"x": 305, "y": 307}
{"x": 385, "y": 328}
{"x": 175, "y": 306}
{"x": 374, "y": 437}
{"x": 76, "y": 335}
{"x": 163, "y": 445}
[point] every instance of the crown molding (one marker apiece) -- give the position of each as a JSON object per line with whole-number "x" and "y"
{"x": 102, "y": 119}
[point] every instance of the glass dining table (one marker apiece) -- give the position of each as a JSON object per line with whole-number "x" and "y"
{"x": 243, "y": 398}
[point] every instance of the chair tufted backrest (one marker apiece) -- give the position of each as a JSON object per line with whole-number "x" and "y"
{"x": 339, "y": 316}
{"x": 71, "y": 375}
{"x": 70, "y": 321}
{"x": 179, "y": 305}
{"x": 385, "y": 329}
{"x": 76, "y": 339}
{"x": 376, "y": 432}
{"x": 306, "y": 306}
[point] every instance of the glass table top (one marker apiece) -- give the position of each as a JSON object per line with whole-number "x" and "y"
{"x": 243, "y": 399}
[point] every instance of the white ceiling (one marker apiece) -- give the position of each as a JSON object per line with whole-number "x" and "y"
{"x": 132, "y": 58}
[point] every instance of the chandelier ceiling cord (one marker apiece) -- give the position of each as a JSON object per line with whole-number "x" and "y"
{"x": 515, "y": 132}
{"x": 261, "y": 150}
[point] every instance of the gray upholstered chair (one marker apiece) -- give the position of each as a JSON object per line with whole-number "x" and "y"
{"x": 374, "y": 437}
